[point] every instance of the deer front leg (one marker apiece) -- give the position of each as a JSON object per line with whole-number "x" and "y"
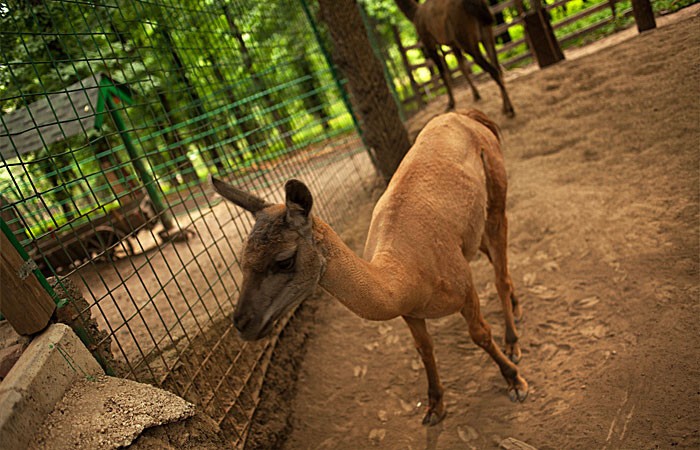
{"x": 424, "y": 345}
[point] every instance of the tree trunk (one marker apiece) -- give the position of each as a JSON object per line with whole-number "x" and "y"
{"x": 314, "y": 103}
{"x": 643, "y": 15}
{"x": 278, "y": 117}
{"x": 248, "y": 126}
{"x": 210, "y": 138}
{"x": 173, "y": 139}
{"x": 381, "y": 124}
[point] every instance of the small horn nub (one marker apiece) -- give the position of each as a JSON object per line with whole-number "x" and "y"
{"x": 244, "y": 199}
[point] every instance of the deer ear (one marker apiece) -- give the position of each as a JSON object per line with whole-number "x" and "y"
{"x": 244, "y": 199}
{"x": 299, "y": 202}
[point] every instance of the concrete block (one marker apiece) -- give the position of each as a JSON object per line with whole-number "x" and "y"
{"x": 52, "y": 362}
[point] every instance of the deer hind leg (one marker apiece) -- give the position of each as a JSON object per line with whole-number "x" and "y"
{"x": 432, "y": 52}
{"x": 424, "y": 345}
{"x": 462, "y": 62}
{"x": 494, "y": 244}
{"x": 480, "y": 332}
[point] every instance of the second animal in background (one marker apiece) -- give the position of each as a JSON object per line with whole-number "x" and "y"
{"x": 460, "y": 25}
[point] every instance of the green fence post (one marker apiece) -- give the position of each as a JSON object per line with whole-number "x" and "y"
{"x": 146, "y": 177}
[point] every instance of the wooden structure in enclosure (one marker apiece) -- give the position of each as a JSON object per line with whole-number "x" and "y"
{"x": 24, "y": 299}
{"x": 57, "y": 117}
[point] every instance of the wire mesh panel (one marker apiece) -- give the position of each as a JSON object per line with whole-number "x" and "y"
{"x": 114, "y": 113}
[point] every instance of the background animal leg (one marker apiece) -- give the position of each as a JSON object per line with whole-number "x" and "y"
{"x": 461, "y": 60}
{"x": 444, "y": 74}
{"x": 490, "y": 46}
{"x": 496, "y": 75}
{"x": 424, "y": 345}
{"x": 480, "y": 332}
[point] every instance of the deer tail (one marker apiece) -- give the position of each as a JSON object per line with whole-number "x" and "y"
{"x": 480, "y": 10}
{"x": 483, "y": 119}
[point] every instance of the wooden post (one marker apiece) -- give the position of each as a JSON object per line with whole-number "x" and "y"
{"x": 23, "y": 300}
{"x": 544, "y": 44}
{"x": 10, "y": 216}
{"x": 643, "y": 15}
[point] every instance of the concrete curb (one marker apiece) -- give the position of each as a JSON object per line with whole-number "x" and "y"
{"x": 49, "y": 366}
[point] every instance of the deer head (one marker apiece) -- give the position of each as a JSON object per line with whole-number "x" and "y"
{"x": 281, "y": 263}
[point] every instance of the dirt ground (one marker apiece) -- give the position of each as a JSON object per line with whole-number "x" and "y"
{"x": 604, "y": 195}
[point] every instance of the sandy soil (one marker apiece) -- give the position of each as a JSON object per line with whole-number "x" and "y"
{"x": 604, "y": 246}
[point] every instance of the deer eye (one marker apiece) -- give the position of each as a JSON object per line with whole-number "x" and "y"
{"x": 285, "y": 265}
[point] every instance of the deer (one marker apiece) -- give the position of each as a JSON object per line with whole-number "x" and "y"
{"x": 445, "y": 202}
{"x": 461, "y": 25}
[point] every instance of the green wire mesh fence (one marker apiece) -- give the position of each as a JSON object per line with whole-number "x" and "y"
{"x": 114, "y": 113}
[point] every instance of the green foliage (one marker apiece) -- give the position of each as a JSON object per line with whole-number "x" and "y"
{"x": 670, "y": 6}
{"x": 219, "y": 86}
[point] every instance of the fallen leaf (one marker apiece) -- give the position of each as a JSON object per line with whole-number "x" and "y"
{"x": 551, "y": 266}
{"x": 377, "y": 435}
{"x": 587, "y": 302}
{"x": 360, "y": 371}
{"x": 371, "y": 346}
{"x": 384, "y": 329}
{"x": 529, "y": 279}
{"x": 407, "y": 407}
{"x": 393, "y": 339}
{"x": 467, "y": 434}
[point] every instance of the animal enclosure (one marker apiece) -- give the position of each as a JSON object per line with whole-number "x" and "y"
{"x": 113, "y": 116}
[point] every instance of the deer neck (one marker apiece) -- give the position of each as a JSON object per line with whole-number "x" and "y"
{"x": 372, "y": 290}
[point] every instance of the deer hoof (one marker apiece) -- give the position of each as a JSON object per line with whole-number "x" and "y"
{"x": 518, "y": 390}
{"x": 433, "y": 417}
